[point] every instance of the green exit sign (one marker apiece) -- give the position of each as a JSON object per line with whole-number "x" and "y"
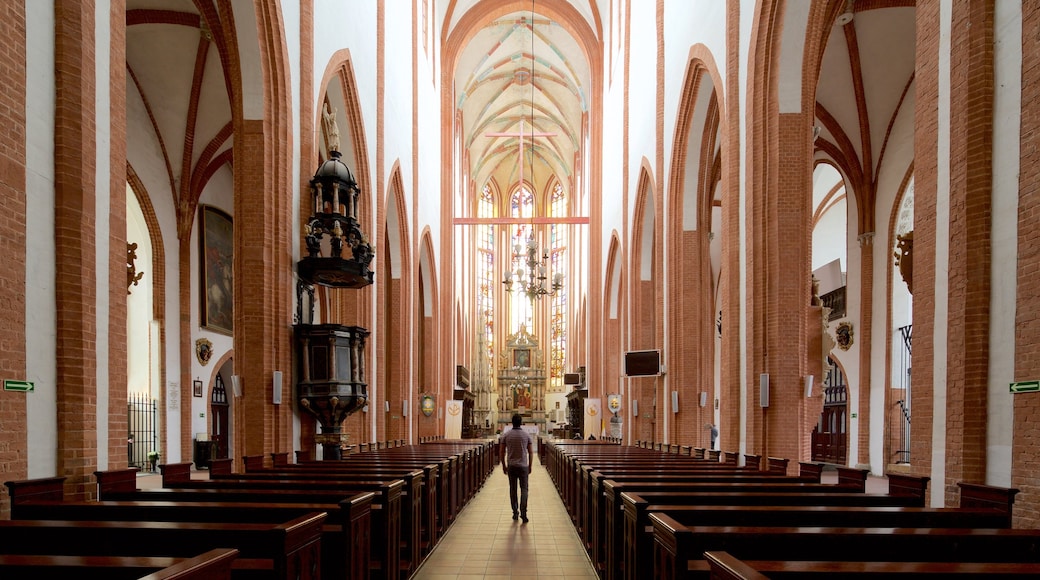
{"x": 1025, "y": 387}
{"x": 23, "y": 386}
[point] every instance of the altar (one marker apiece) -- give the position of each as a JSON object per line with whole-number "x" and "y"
{"x": 521, "y": 380}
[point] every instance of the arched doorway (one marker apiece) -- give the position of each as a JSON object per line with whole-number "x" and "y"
{"x": 830, "y": 437}
{"x": 220, "y": 419}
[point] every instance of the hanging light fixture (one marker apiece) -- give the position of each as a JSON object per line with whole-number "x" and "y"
{"x": 531, "y": 273}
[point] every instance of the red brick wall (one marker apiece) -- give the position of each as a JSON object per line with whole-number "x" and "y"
{"x": 13, "y": 428}
{"x": 971, "y": 147}
{"x": 926, "y": 85}
{"x": 76, "y": 287}
{"x": 117, "y": 296}
{"x": 1026, "y": 439}
{"x": 729, "y": 279}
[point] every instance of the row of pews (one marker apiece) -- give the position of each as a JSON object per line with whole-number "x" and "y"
{"x": 374, "y": 514}
{"x": 691, "y": 513}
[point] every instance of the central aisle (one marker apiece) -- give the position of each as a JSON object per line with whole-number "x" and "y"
{"x": 485, "y": 542}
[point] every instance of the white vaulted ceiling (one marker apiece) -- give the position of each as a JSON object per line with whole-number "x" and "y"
{"x": 512, "y": 76}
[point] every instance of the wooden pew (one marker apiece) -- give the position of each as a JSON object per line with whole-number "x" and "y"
{"x": 630, "y": 538}
{"x": 291, "y": 550}
{"x": 345, "y": 535}
{"x": 385, "y": 558}
{"x": 590, "y": 503}
{"x": 675, "y": 545}
{"x": 723, "y": 566}
{"x": 440, "y": 484}
{"x": 834, "y": 516}
{"x": 412, "y": 497}
{"x": 212, "y": 565}
{"x": 606, "y": 513}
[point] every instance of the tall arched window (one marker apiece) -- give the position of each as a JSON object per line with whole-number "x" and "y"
{"x": 486, "y": 272}
{"x": 558, "y": 312}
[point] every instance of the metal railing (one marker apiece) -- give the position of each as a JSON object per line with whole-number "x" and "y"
{"x": 143, "y": 436}
{"x": 902, "y": 454}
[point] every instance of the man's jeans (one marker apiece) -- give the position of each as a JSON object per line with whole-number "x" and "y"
{"x": 518, "y": 473}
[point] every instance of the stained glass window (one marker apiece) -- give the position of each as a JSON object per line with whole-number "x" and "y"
{"x": 485, "y": 269}
{"x": 558, "y": 312}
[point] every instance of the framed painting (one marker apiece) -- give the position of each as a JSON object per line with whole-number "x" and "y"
{"x": 216, "y": 256}
{"x": 522, "y": 357}
{"x": 196, "y": 388}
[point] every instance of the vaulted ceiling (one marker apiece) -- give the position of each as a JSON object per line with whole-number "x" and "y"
{"x": 522, "y": 72}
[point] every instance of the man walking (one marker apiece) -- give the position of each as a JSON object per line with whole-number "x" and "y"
{"x": 516, "y": 463}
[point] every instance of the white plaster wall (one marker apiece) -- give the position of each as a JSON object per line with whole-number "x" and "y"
{"x": 340, "y": 24}
{"x": 139, "y": 302}
{"x": 792, "y": 47}
{"x": 849, "y": 359}
{"x": 103, "y": 201}
{"x": 219, "y": 192}
{"x": 899, "y": 153}
{"x": 687, "y": 24}
{"x": 942, "y": 257}
{"x": 40, "y": 312}
{"x": 1007, "y": 111}
{"x": 291, "y": 18}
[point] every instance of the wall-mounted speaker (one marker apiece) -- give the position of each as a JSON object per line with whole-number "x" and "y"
{"x": 763, "y": 390}
{"x": 808, "y": 385}
{"x": 236, "y": 385}
{"x": 635, "y": 408}
{"x": 386, "y": 406}
{"x": 404, "y": 408}
{"x": 276, "y": 383}
{"x": 704, "y": 398}
{"x": 675, "y": 401}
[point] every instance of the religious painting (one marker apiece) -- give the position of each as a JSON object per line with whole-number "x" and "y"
{"x": 522, "y": 396}
{"x": 196, "y": 388}
{"x": 522, "y": 357}
{"x": 216, "y": 255}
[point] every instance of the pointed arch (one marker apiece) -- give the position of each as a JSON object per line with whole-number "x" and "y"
{"x": 693, "y": 184}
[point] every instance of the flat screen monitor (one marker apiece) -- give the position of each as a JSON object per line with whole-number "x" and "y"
{"x": 642, "y": 363}
{"x": 571, "y": 378}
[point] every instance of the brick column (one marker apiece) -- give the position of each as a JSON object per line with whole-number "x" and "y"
{"x": 254, "y": 301}
{"x": 75, "y": 226}
{"x": 865, "y": 342}
{"x": 117, "y": 296}
{"x": 971, "y": 189}
{"x": 787, "y": 283}
{"x": 13, "y": 427}
{"x": 926, "y": 128}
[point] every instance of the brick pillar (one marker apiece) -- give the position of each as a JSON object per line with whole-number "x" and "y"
{"x": 865, "y": 342}
{"x": 970, "y": 233}
{"x": 787, "y": 290}
{"x": 926, "y": 123}
{"x": 732, "y": 341}
{"x": 13, "y": 428}
{"x": 75, "y": 224}
{"x": 255, "y": 319}
{"x": 117, "y": 295}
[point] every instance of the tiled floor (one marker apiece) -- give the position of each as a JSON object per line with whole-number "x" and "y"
{"x": 485, "y": 542}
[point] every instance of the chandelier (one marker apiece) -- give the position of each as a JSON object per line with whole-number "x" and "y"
{"x": 532, "y": 281}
